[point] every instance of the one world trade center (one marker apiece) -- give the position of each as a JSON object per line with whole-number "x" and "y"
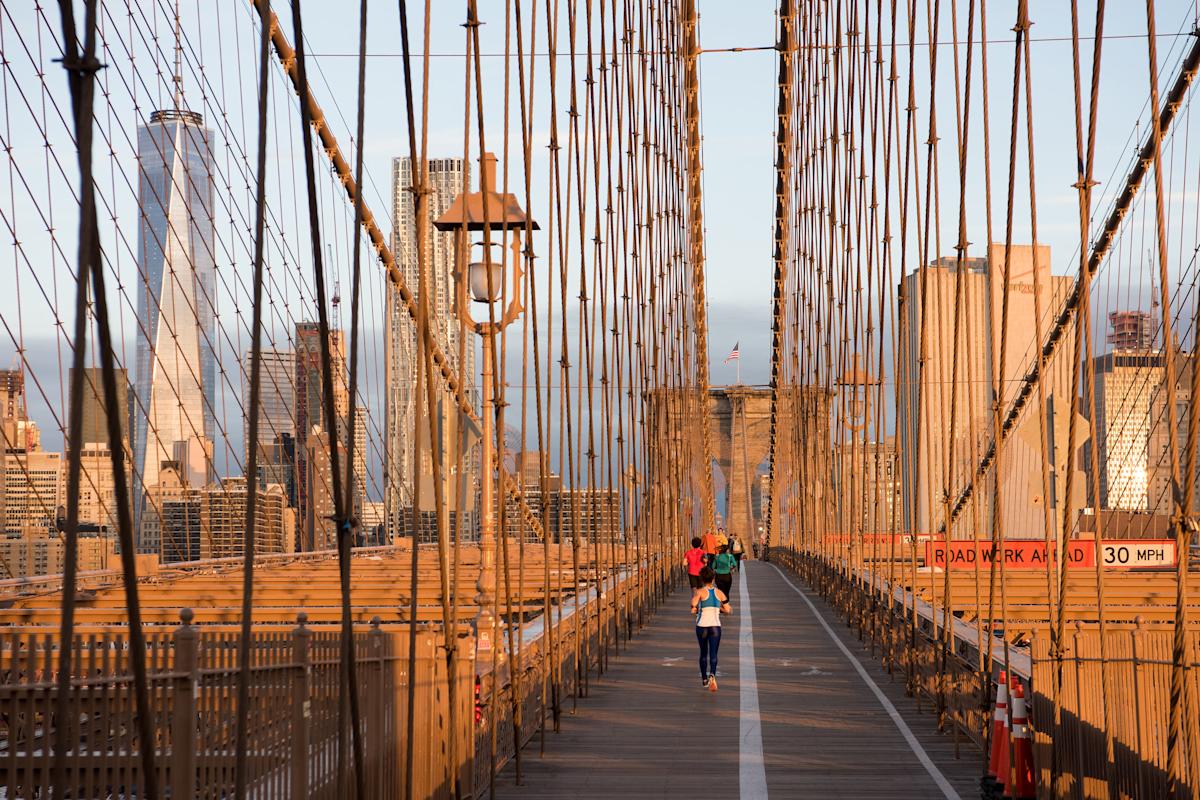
{"x": 176, "y": 339}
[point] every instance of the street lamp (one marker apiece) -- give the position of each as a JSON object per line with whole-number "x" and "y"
{"x": 484, "y": 279}
{"x": 858, "y": 384}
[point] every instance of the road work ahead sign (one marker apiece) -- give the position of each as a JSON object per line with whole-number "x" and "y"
{"x": 1017, "y": 554}
{"x": 1030, "y": 554}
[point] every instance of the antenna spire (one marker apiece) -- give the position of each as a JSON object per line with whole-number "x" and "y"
{"x": 178, "y": 78}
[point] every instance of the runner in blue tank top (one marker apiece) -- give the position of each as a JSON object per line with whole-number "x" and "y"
{"x": 708, "y": 603}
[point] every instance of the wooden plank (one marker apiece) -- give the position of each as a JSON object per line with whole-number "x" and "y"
{"x": 647, "y": 729}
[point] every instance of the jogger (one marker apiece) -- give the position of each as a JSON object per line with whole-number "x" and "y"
{"x": 710, "y": 643}
{"x": 694, "y": 560}
{"x": 724, "y": 565}
{"x": 708, "y": 603}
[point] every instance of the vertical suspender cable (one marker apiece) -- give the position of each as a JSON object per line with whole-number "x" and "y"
{"x": 81, "y": 72}
{"x": 247, "y": 628}
{"x": 1085, "y": 373}
{"x": 346, "y": 524}
{"x": 81, "y": 69}
{"x": 342, "y": 520}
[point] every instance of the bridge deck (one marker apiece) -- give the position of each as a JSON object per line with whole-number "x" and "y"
{"x": 821, "y": 728}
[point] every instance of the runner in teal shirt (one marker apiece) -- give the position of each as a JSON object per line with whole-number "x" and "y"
{"x": 724, "y": 565}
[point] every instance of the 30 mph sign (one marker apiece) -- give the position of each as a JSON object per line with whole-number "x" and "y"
{"x": 1137, "y": 553}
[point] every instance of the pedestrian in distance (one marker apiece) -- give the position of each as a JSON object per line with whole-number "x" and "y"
{"x": 735, "y": 547}
{"x": 694, "y": 560}
{"x": 724, "y": 565}
{"x": 708, "y": 543}
{"x": 708, "y": 603}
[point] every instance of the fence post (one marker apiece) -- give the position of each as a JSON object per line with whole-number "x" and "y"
{"x": 183, "y": 707}
{"x": 376, "y": 737}
{"x": 1135, "y": 651}
{"x": 1082, "y": 717}
{"x": 301, "y": 706}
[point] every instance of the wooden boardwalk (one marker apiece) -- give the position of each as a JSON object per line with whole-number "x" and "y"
{"x": 648, "y": 730}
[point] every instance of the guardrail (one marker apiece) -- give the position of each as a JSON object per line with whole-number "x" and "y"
{"x": 581, "y": 638}
{"x": 298, "y": 744}
{"x": 1111, "y": 736}
{"x": 192, "y": 678}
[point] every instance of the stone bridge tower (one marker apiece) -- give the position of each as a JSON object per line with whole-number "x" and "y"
{"x": 740, "y": 421}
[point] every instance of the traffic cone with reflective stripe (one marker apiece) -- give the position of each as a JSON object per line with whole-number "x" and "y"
{"x": 990, "y": 781}
{"x": 1022, "y": 784}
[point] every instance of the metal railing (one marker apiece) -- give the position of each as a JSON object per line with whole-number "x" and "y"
{"x": 295, "y": 684}
{"x": 298, "y": 747}
{"x": 1120, "y": 685}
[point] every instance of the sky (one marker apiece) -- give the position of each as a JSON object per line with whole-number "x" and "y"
{"x": 738, "y": 105}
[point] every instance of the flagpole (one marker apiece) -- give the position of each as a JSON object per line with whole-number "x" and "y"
{"x": 739, "y": 369}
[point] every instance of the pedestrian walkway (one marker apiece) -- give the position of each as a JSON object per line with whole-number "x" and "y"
{"x": 802, "y": 711}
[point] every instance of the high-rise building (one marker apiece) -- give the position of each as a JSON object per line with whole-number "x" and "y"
{"x": 17, "y": 431}
{"x": 95, "y": 412}
{"x": 310, "y": 408}
{"x": 1126, "y": 380}
{"x": 193, "y": 456}
{"x": 97, "y": 486}
{"x": 319, "y": 532}
{"x": 877, "y": 485}
{"x": 14, "y": 436}
{"x": 598, "y": 511}
{"x": 97, "y": 489}
{"x": 447, "y": 179}
{"x": 277, "y": 398}
{"x": 361, "y": 421}
{"x": 182, "y": 539}
{"x": 1161, "y": 483}
{"x": 35, "y": 551}
{"x": 170, "y": 522}
{"x": 371, "y": 529}
{"x": 223, "y": 520}
{"x": 31, "y": 491}
{"x": 924, "y": 400}
{"x": 176, "y": 374}
{"x": 12, "y": 394}
{"x": 277, "y": 464}
{"x": 1131, "y": 330}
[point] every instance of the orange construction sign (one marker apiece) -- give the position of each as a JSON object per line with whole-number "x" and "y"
{"x": 1017, "y": 554}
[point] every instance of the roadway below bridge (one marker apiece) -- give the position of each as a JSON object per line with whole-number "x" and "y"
{"x": 803, "y": 710}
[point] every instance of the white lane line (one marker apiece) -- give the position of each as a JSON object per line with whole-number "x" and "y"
{"x": 752, "y": 774}
{"x": 901, "y": 725}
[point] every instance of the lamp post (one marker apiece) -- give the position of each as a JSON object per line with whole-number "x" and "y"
{"x": 859, "y": 384}
{"x": 484, "y": 280}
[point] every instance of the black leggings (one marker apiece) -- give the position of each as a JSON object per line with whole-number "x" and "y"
{"x": 724, "y": 582}
{"x": 710, "y": 641}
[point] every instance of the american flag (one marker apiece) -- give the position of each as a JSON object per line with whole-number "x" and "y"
{"x": 735, "y": 355}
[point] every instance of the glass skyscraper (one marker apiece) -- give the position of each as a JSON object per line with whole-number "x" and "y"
{"x": 447, "y": 177}
{"x": 176, "y": 370}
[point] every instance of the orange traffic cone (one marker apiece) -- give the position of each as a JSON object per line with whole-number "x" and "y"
{"x": 999, "y": 737}
{"x": 1022, "y": 786}
{"x": 1004, "y": 764}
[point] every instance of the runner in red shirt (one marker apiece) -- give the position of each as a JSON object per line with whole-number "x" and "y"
{"x": 694, "y": 559}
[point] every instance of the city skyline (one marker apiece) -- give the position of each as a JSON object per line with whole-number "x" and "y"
{"x": 175, "y": 149}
